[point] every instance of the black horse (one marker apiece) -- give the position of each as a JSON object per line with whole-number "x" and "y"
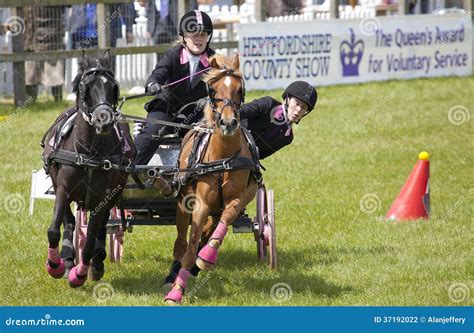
{"x": 89, "y": 165}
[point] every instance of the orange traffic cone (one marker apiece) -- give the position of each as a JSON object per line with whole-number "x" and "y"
{"x": 413, "y": 202}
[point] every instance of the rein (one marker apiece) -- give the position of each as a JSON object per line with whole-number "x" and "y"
{"x": 125, "y": 118}
{"x": 124, "y": 98}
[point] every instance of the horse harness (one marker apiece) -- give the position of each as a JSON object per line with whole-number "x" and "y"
{"x": 211, "y": 92}
{"x": 88, "y": 77}
{"x": 64, "y": 125}
{"x": 197, "y": 168}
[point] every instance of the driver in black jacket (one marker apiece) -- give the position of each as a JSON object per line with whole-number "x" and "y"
{"x": 188, "y": 58}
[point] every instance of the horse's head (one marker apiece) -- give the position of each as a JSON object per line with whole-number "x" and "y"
{"x": 97, "y": 92}
{"x": 226, "y": 90}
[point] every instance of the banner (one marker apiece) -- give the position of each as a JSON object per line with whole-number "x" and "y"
{"x": 351, "y": 51}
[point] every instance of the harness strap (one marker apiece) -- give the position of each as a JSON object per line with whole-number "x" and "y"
{"x": 202, "y": 169}
{"x": 192, "y": 158}
{"x": 221, "y": 192}
{"x": 253, "y": 147}
{"x": 59, "y": 123}
{"x": 88, "y": 192}
{"x": 70, "y": 158}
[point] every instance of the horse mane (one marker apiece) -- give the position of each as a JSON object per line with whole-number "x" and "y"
{"x": 87, "y": 62}
{"x": 215, "y": 74}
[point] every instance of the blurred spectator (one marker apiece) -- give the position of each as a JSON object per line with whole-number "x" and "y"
{"x": 411, "y": 6}
{"x": 283, "y": 7}
{"x": 162, "y": 16}
{"x": 44, "y": 31}
{"x": 121, "y": 14}
{"x": 81, "y": 25}
{"x": 424, "y": 7}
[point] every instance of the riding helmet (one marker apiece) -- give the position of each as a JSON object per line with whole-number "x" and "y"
{"x": 195, "y": 21}
{"x": 304, "y": 91}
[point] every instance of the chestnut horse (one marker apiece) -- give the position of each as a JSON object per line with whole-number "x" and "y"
{"x": 223, "y": 194}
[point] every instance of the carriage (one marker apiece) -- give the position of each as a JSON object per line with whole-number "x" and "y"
{"x": 147, "y": 206}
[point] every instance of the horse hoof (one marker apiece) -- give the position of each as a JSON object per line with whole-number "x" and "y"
{"x": 56, "y": 272}
{"x": 207, "y": 257}
{"x": 76, "y": 280}
{"x": 203, "y": 264}
{"x": 174, "y": 297}
{"x": 96, "y": 271}
{"x": 171, "y": 302}
{"x": 96, "y": 275}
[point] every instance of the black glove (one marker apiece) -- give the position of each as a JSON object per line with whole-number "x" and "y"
{"x": 153, "y": 88}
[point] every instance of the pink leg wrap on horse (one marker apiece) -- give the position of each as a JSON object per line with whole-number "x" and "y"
{"x": 209, "y": 252}
{"x": 182, "y": 278}
{"x": 220, "y": 232}
{"x": 82, "y": 269}
{"x": 53, "y": 255}
{"x": 79, "y": 270}
{"x": 176, "y": 293}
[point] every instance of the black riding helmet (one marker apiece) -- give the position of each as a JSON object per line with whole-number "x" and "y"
{"x": 304, "y": 91}
{"x": 196, "y": 21}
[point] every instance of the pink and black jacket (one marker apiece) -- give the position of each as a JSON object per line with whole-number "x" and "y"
{"x": 174, "y": 65}
{"x": 265, "y": 119}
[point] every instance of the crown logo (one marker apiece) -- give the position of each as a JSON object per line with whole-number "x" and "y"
{"x": 351, "y": 54}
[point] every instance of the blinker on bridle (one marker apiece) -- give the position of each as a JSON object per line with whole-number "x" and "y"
{"x": 87, "y": 78}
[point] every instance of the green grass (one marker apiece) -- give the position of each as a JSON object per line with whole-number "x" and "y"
{"x": 360, "y": 140}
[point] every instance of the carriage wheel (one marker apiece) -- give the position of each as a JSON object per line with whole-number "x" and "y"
{"x": 116, "y": 247}
{"x": 80, "y": 233}
{"x": 272, "y": 230}
{"x": 260, "y": 221}
{"x": 115, "y": 242}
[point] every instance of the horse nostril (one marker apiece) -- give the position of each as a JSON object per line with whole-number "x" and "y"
{"x": 234, "y": 123}
{"x": 221, "y": 123}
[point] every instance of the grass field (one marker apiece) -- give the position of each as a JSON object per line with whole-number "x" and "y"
{"x": 333, "y": 186}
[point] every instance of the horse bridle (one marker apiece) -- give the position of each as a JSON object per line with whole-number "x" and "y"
{"x": 211, "y": 92}
{"x": 87, "y": 78}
